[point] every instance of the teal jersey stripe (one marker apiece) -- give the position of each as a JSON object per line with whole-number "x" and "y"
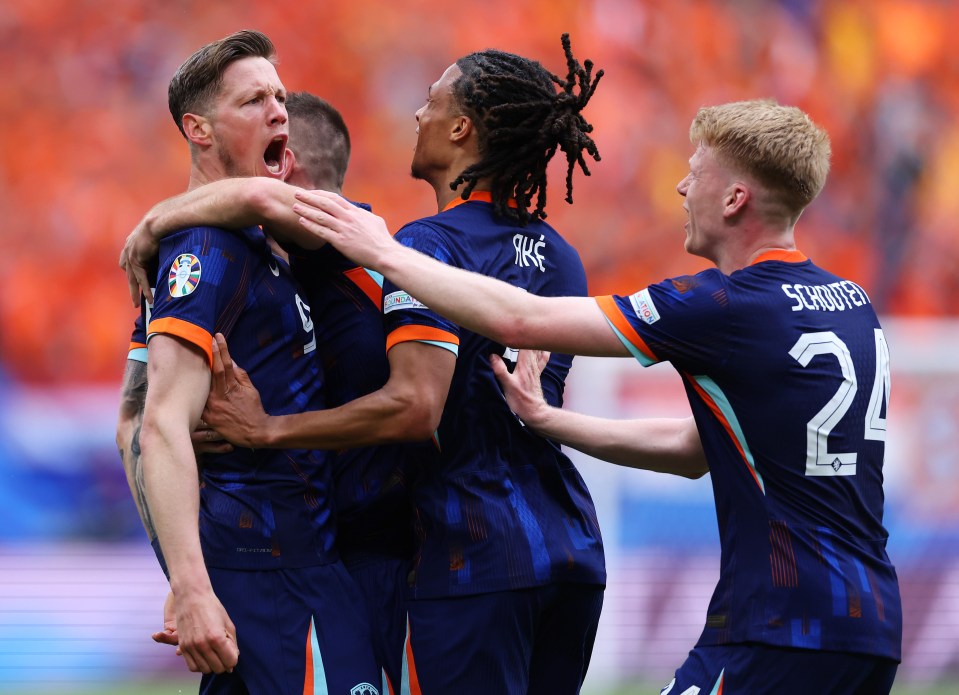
{"x": 633, "y": 350}
{"x": 719, "y": 398}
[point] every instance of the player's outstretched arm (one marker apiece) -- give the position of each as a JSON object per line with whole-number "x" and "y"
{"x": 229, "y": 203}
{"x": 507, "y": 314}
{"x": 664, "y": 445}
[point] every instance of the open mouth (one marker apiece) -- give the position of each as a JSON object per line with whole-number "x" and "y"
{"x": 273, "y": 155}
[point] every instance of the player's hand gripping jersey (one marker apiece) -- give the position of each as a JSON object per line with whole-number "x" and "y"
{"x": 787, "y": 372}
{"x": 502, "y": 508}
{"x": 260, "y": 509}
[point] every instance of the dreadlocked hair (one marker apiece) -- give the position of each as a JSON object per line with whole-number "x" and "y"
{"x": 521, "y": 119}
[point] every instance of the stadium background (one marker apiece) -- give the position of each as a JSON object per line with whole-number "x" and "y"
{"x": 88, "y": 145}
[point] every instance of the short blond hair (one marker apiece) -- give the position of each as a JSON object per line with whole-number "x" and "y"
{"x": 780, "y": 146}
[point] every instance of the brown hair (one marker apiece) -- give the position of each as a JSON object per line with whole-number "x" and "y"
{"x": 320, "y": 139}
{"x": 197, "y": 81}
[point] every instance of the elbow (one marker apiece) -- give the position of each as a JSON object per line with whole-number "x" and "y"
{"x": 419, "y": 417}
{"x": 696, "y": 470}
{"x": 421, "y": 422}
{"x": 513, "y": 331}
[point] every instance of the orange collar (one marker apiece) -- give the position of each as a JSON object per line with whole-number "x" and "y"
{"x": 482, "y": 196}
{"x": 793, "y": 256}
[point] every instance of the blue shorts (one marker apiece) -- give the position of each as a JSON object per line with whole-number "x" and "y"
{"x": 298, "y": 630}
{"x": 755, "y": 669}
{"x": 535, "y": 641}
{"x": 383, "y": 582}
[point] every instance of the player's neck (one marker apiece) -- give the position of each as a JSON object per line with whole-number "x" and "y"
{"x": 445, "y": 195}
{"x": 202, "y": 173}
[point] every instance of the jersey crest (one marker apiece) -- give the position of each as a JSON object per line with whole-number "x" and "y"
{"x": 184, "y": 275}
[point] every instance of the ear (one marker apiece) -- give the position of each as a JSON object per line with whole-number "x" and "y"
{"x": 289, "y": 162}
{"x": 734, "y": 202}
{"x": 462, "y": 129}
{"x": 198, "y": 129}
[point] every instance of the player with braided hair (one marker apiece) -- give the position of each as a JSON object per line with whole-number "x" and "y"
{"x": 519, "y": 116}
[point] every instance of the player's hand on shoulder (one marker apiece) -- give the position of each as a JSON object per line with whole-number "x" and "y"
{"x": 139, "y": 249}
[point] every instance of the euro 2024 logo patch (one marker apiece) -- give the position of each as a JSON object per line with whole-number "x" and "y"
{"x": 184, "y": 275}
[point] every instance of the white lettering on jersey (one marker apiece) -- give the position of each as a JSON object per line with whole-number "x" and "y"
{"x": 304, "y": 309}
{"x": 643, "y": 306}
{"x": 400, "y": 300}
{"x": 529, "y": 251}
{"x": 836, "y": 296}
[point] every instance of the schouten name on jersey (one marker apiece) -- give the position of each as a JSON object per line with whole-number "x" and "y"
{"x": 836, "y": 296}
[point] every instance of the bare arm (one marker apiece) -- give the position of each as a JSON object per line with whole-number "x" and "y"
{"x": 407, "y": 408}
{"x": 228, "y": 203}
{"x": 573, "y": 325}
{"x": 664, "y": 445}
{"x": 179, "y": 383}
{"x": 132, "y": 400}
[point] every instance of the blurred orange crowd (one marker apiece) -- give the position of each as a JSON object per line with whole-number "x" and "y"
{"x": 88, "y": 144}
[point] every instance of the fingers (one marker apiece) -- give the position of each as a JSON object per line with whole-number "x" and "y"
{"x": 208, "y": 441}
{"x": 320, "y": 211}
{"x": 241, "y": 376}
{"x": 499, "y": 367}
{"x": 226, "y": 362}
{"x": 144, "y": 282}
{"x": 218, "y": 381}
{"x": 325, "y": 200}
{"x": 167, "y": 636}
{"x": 133, "y": 288}
{"x": 218, "y": 655}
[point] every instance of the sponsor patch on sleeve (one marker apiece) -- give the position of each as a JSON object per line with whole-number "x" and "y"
{"x": 643, "y": 306}
{"x": 184, "y": 275}
{"x": 401, "y": 300}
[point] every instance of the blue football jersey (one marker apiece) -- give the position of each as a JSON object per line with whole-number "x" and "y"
{"x": 138, "y": 339}
{"x": 370, "y": 483}
{"x": 500, "y": 508}
{"x": 259, "y": 509}
{"x": 787, "y": 372}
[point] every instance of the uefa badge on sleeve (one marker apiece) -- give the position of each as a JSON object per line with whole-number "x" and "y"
{"x": 184, "y": 275}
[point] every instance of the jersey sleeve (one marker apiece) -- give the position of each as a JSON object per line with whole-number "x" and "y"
{"x": 407, "y": 319}
{"x": 681, "y": 320}
{"x": 138, "y": 340}
{"x": 201, "y": 284}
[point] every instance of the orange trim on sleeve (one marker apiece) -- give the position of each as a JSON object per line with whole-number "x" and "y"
{"x": 187, "y": 331}
{"x": 405, "y": 334}
{"x": 611, "y": 311}
{"x": 789, "y": 256}
{"x": 711, "y": 404}
{"x": 136, "y": 346}
{"x": 369, "y": 286}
